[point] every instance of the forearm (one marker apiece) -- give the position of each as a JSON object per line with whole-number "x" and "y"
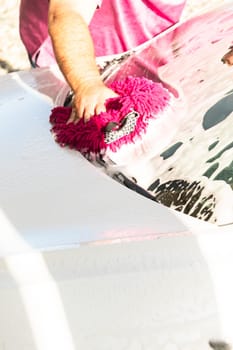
{"x": 74, "y": 51}
{"x": 73, "y": 47}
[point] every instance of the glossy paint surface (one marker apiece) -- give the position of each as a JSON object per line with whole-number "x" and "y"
{"x": 194, "y": 172}
{"x": 86, "y": 263}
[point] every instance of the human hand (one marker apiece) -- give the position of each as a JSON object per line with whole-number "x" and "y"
{"x": 89, "y": 100}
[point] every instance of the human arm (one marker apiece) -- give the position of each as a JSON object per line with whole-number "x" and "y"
{"x": 74, "y": 52}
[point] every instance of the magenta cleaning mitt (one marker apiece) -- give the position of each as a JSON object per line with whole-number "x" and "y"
{"x": 125, "y": 121}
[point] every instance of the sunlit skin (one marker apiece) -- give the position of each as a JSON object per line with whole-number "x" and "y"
{"x": 74, "y": 51}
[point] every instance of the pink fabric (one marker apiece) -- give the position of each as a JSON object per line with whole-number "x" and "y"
{"x": 120, "y": 25}
{"x": 117, "y": 25}
{"x": 33, "y": 19}
{"x": 142, "y": 95}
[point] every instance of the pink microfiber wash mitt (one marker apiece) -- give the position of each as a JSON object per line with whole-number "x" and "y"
{"x": 125, "y": 122}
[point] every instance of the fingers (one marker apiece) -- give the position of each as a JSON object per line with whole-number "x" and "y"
{"x": 92, "y": 109}
{"x": 100, "y": 107}
{"x": 90, "y": 103}
{"x": 85, "y": 112}
{"x": 73, "y": 117}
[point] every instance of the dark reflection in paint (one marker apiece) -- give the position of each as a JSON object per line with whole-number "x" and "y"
{"x": 229, "y": 92}
{"x": 132, "y": 184}
{"x": 228, "y": 57}
{"x": 181, "y": 195}
{"x": 213, "y": 145}
{"x": 185, "y": 197}
{"x": 153, "y": 186}
{"x": 219, "y": 345}
{"x": 226, "y": 175}
{"x": 171, "y": 150}
{"x": 209, "y": 172}
{"x": 218, "y": 112}
{"x": 180, "y": 59}
{"x": 219, "y": 154}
